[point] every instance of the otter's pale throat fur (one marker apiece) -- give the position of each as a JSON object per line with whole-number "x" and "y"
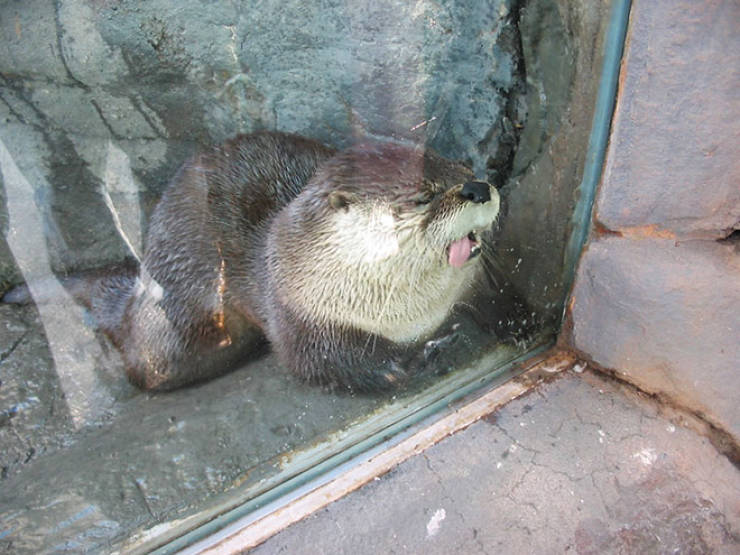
{"x": 344, "y": 261}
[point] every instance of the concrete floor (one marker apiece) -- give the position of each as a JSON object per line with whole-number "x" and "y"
{"x": 580, "y": 465}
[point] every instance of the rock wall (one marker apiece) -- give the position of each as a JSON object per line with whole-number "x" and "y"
{"x": 102, "y": 100}
{"x": 657, "y": 297}
{"x": 562, "y": 43}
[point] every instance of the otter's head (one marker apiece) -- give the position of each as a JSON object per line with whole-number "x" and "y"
{"x": 387, "y": 201}
{"x": 383, "y": 238}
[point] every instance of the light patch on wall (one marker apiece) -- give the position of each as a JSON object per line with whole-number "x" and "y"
{"x": 434, "y": 522}
{"x": 72, "y": 343}
{"x": 647, "y": 456}
{"x": 121, "y": 195}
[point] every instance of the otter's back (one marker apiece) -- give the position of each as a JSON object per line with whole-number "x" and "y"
{"x": 251, "y": 177}
{"x": 240, "y": 186}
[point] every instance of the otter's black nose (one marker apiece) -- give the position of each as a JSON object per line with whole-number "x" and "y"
{"x": 476, "y": 191}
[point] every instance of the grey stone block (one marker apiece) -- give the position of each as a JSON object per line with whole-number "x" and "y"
{"x": 666, "y": 316}
{"x": 673, "y": 158}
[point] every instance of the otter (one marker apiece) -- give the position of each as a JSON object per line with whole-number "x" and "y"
{"x": 345, "y": 262}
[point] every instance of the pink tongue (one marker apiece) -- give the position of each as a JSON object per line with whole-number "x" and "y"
{"x": 460, "y": 252}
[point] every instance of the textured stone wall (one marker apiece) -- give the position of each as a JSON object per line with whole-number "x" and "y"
{"x": 101, "y": 101}
{"x": 562, "y": 43}
{"x": 657, "y": 296}
{"x": 104, "y": 99}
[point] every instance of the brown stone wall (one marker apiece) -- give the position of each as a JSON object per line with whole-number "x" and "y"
{"x": 657, "y": 295}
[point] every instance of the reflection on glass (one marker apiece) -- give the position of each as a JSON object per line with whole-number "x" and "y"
{"x": 70, "y": 340}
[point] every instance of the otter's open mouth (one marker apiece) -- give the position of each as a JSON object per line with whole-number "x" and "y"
{"x": 462, "y": 250}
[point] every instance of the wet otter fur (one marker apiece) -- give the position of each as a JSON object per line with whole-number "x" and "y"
{"x": 345, "y": 262}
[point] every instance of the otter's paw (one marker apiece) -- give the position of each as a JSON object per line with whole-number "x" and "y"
{"x": 437, "y": 355}
{"x": 394, "y": 374}
{"x": 384, "y": 376}
{"x": 435, "y": 347}
{"x": 390, "y": 374}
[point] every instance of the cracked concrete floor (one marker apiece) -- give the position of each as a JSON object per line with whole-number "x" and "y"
{"x": 581, "y": 465}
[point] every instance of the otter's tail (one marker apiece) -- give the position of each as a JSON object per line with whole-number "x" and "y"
{"x": 47, "y": 290}
{"x": 20, "y": 294}
{"x": 104, "y": 292}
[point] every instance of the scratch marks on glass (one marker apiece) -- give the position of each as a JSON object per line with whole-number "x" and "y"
{"x": 121, "y": 196}
{"x": 423, "y": 123}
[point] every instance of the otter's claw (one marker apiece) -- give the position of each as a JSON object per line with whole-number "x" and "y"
{"x": 434, "y": 347}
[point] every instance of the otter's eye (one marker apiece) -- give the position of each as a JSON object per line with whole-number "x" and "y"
{"x": 424, "y": 197}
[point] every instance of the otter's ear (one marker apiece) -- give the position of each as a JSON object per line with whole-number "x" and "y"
{"x": 340, "y": 199}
